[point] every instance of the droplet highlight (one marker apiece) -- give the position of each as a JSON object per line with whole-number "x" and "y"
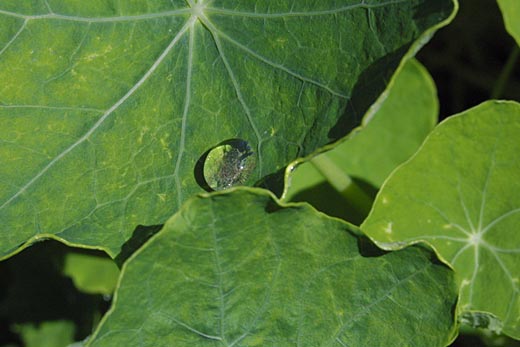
{"x": 229, "y": 164}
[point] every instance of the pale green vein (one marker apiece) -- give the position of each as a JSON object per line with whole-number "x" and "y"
{"x": 187, "y": 99}
{"x": 124, "y": 200}
{"x": 25, "y": 148}
{"x": 105, "y": 115}
{"x": 444, "y": 216}
{"x": 499, "y": 219}
{"x": 465, "y": 209}
{"x": 15, "y": 36}
{"x": 210, "y": 337}
{"x": 71, "y": 57}
{"x": 54, "y": 16}
{"x": 437, "y": 237}
{"x": 362, "y": 4}
{"x": 305, "y": 290}
{"x": 513, "y": 285}
{"x": 459, "y": 253}
{"x": 267, "y": 298}
{"x": 368, "y": 308}
{"x": 504, "y": 250}
{"x": 476, "y": 258}
{"x": 58, "y": 108}
{"x": 220, "y": 284}
{"x": 49, "y": 8}
{"x": 273, "y": 64}
{"x": 236, "y": 86}
{"x": 486, "y": 182}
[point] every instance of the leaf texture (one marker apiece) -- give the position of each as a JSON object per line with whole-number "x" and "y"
{"x": 461, "y": 194}
{"x": 269, "y": 275}
{"x": 106, "y": 107}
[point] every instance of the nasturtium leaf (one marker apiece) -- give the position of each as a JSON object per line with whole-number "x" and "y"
{"x": 46, "y": 334}
{"x": 461, "y": 194}
{"x": 107, "y": 106}
{"x": 90, "y": 273}
{"x": 392, "y": 133}
{"x": 268, "y": 275}
{"x": 511, "y": 12}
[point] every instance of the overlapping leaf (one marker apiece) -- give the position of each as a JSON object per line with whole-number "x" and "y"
{"x": 461, "y": 193}
{"x": 395, "y": 130}
{"x": 267, "y": 275}
{"x": 511, "y": 12}
{"x": 106, "y": 106}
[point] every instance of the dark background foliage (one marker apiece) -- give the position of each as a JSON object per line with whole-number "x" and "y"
{"x": 473, "y": 59}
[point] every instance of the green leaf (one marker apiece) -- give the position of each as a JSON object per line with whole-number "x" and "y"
{"x": 394, "y": 130}
{"x": 91, "y": 274}
{"x": 107, "y": 107}
{"x": 267, "y": 275}
{"x": 511, "y": 12}
{"x": 461, "y": 194}
{"x": 47, "y": 334}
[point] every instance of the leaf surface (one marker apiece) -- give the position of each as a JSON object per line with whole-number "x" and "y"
{"x": 461, "y": 194}
{"x": 394, "y": 130}
{"x": 267, "y": 275}
{"x": 47, "y": 334}
{"x": 91, "y": 274}
{"x": 106, "y": 107}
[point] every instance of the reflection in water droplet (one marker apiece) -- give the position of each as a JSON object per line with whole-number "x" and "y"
{"x": 229, "y": 164}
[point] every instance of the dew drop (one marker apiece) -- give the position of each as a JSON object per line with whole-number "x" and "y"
{"x": 228, "y": 164}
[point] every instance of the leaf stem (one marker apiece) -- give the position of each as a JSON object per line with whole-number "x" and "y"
{"x": 506, "y": 72}
{"x": 343, "y": 183}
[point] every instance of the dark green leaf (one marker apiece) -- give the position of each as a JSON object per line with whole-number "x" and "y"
{"x": 238, "y": 269}
{"x": 106, "y": 106}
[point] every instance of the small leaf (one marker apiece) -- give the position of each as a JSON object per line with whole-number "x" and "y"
{"x": 394, "y": 130}
{"x": 47, "y": 334}
{"x": 238, "y": 269}
{"x": 511, "y": 12}
{"x": 461, "y": 194}
{"x": 91, "y": 274}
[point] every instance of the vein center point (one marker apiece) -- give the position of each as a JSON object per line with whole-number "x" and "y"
{"x": 475, "y": 238}
{"x": 198, "y": 10}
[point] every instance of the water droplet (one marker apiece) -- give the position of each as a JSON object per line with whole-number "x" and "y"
{"x": 228, "y": 164}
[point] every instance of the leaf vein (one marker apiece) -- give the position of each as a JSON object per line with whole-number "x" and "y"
{"x": 236, "y": 86}
{"x": 102, "y": 119}
{"x": 279, "y": 66}
{"x": 362, "y": 4}
{"x": 13, "y": 39}
{"x": 55, "y": 16}
{"x": 187, "y": 99}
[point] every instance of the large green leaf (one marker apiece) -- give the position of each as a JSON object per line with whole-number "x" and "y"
{"x": 461, "y": 194}
{"x": 393, "y": 132}
{"x": 267, "y": 275}
{"x": 511, "y": 12}
{"x": 107, "y": 106}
